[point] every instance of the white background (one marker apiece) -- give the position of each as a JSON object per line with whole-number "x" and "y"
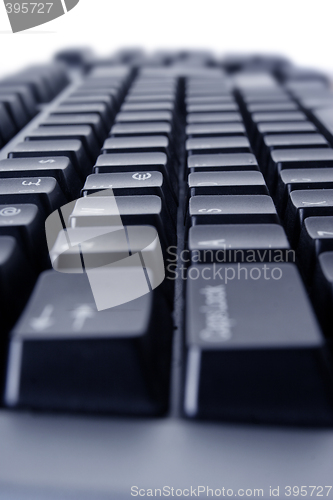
{"x": 301, "y": 30}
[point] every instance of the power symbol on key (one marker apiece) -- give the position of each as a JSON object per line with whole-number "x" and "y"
{"x": 141, "y": 177}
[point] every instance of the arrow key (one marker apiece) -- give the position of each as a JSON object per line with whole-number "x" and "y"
{"x": 14, "y": 269}
{"x": 316, "y": 237}
{"x": 66, "y": 355}
{"x": 303, "y": 204}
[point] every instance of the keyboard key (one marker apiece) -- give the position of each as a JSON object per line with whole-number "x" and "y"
{"x": 292, "y": 141}
{"x": 239, "y": 243}
{"x": 297, "y": 158}
{"x": 143, "y": 144}
{"x": 132, "y": 184}
{"x": 301, "y": 178}
{"x": 98, "y": 98}
{"x": 277, "y": 365}
{"x": 145, "y": 210}
{"x": 83, "y": 133}
{"x": 218, "y": 145}
{"x": 71, "y": 148}
{"x": 214, "y": 107}
{"x": 269, "y": 107}
{"x": 316, "y": 237}
{"x": 255, "y": 209}
{"x": 286, "y": 127}
{"x": 7, "y": 127}
{"x": 83, "y": 109}
{"x": 58, "y": 167}
{"x": 213, "y": 117}
{"x": 94, "y": 120}
{"x": 25, "y": 95}
{"x": 323, "y": 291}
{"x": 41, "y": 191}
{"x": 15, "y": 109}
{"x": 113, "y": 361}
{"x": 143, "y": 116}
{"x": 137, "y": 163}
{"x": 137, "y": 98}
{"x": 217, "y": 183}
{"x": 217, "y": 162}
{"x": 139, "y": 129}
{"x": 303, "y": 204}
{"x": 219, "y": 99}
{"x": 26, "y": 224}
{"x": 215, "y": 129}
{"x": 14, "y": 269}
{"x": 282, "y": 116}
{"x": 148, "y": 106}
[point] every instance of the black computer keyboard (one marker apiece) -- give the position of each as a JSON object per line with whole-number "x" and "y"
{"x": 231, "y": 161}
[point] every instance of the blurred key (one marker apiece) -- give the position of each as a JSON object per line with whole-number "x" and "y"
{"x": 130, "y": 210}
{"x": 282, "y": 159}
{"x": 84, "y": 109}
{"x": 282, "y": 116}
{"x": 132, "y": 184}
{"x": 215, "y": 129}
{"x": 301, "y": 178}
{"x": 222, "y": 243}
{"x": 14, "y": 268}
{"x": 83, "y": 133}
{"x": 15, "y": 109}
{"x": 208, "y": 107}
{"x": 25, "y": 95}
{"x": 213, "y": 145}
{"x": 216, "y": 162}
{"x": 234, "y": 182}
{"x": 148, "y": 106}
{"x": 41, "y": 191}
{"x": 255, "y": 209}
{"x": 323, "y": 291}
{"x": 303, "y": 204}
{"x": 139, "y": 129}
{"x": 7, "y": 127}
{"x": 316, "y": 237}
{"x": 143, "y": 116}
{"x": 59, "y": 168}
{"x": 142, "y": 144}
{"x": 26, "y": 224}
{"x": 94, "y": 120}
{"x": 213, "y": 117}
{"x": 72, "y": 148}
{"x": 137, "y": 163}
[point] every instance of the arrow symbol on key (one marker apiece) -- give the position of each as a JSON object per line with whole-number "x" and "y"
{"x": 324, "y": 233}
{"x": 314, "y": 203}
{"x": 214, "y": 243}
{"x": 44, "y": 320}
{"x": 80, "y": 315}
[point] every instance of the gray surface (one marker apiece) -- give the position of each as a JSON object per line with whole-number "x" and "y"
{"x": 97, "y": 455}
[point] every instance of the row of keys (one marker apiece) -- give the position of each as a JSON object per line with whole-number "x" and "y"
{"x": 239, "y": 367}
{"x": 20, "y": 95}
{"x": 134, "y": 184}
{"x": 296, "y": 158}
